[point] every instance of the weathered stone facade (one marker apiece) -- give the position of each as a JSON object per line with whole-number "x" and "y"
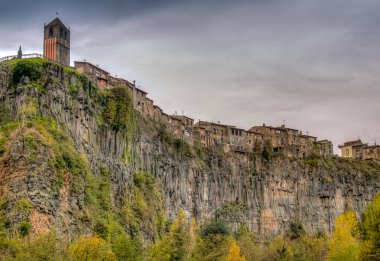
{"x": 57, "y": 42}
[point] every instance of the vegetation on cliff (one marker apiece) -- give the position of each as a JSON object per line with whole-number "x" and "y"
{"x": 90, "y": 214}
{"x": 185, "y": 240}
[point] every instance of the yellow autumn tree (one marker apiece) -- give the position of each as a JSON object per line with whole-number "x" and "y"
{"x": 234, "y": 252}
{"x": 91, "y": 248}
{"x": 344, "y": 241}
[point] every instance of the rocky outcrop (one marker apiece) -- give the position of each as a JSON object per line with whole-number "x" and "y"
{"x": 268, "y": 195}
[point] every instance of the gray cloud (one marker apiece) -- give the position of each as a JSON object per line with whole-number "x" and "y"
{"x": 312, "y": 63}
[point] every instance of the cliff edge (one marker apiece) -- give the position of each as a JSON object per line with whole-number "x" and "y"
{"x": 79, "y": 160}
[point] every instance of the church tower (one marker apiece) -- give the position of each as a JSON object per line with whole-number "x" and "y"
{"x": 57, "y": 42}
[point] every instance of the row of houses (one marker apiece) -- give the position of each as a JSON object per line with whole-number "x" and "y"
{"x": 359, "y": 150}
{"x": 289, "y": 141}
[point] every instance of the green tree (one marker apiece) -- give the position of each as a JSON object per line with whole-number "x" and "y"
{"x": 215, "y": 226}
{"x": 211, "y": 248}
{"x": 127, "y": 249}
{"x": 370, "y": 247}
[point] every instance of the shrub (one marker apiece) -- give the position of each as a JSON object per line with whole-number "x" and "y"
{"x": 215, "y": 227}
{"x": 101, "y": 229}
{"x": 2, "y": 146}
{"x": 28, "y": 68}
{"x": 297, "y": 230}
{"x": 24, "y": 228}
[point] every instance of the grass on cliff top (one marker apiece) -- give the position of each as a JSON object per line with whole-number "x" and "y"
{"x": 33, "y": 69}
{"x": 369, "y": 168}
{"x": 117, "y": 102}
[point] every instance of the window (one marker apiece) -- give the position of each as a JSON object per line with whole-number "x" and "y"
{"x": 65, "y": 34}
{"x": 61, "y": 32}
{"x": 347, "y": 152}
{"x": 51, "y": 32}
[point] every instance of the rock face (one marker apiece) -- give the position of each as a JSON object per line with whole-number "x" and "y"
{"x": 268, "y": 195}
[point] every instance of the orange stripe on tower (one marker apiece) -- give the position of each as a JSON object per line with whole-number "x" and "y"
{"x": 55, "y": 50}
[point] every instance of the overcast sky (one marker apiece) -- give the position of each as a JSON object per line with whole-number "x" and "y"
{"x": 313, "y": 63}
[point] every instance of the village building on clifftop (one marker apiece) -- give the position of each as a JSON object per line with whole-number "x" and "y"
{"x": 356, "y": 149}
{"x": 287, "y": 141}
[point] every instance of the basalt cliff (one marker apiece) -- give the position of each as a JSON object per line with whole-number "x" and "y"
{"x": 79, "y": 160}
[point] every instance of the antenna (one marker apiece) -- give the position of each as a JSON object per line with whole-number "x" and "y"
{"x": 57, "y": 13}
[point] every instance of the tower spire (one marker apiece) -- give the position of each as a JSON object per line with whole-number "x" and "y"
{"x": 19, "y": 53}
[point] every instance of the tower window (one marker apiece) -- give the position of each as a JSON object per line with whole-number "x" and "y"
{"x": 51, "y": 32}
{"x": 66, "y": 34}
{"x": 61, "y": 32}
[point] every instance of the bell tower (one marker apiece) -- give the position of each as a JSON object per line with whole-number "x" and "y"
{"x": 57, "y": 42}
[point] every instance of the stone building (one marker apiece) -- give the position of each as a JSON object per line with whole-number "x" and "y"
{"x": 57, "y": 42}
{"x": 353, "y": 149}
{"x": 275, "y": 137}
{"x": 254, "y": 141}
{"x": 157, "y": 113}
{"x": 115, "y": 81}
{"x": 326, "y": 148}
{"x": 289, "y": 141}
{"x": 237, "y": 139}
{"x": 149, "y": 108}
{"x": 96, "y": 74}
{"x": 140, "y": 100}
{"x": 212, "y": 134}
{"x": 177, "y": 126}
{"x": 307, "y": 145}
{"x": 372, "y": 152}
{"x": 187, "y": 123}
{"x": 272, "y": 136}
